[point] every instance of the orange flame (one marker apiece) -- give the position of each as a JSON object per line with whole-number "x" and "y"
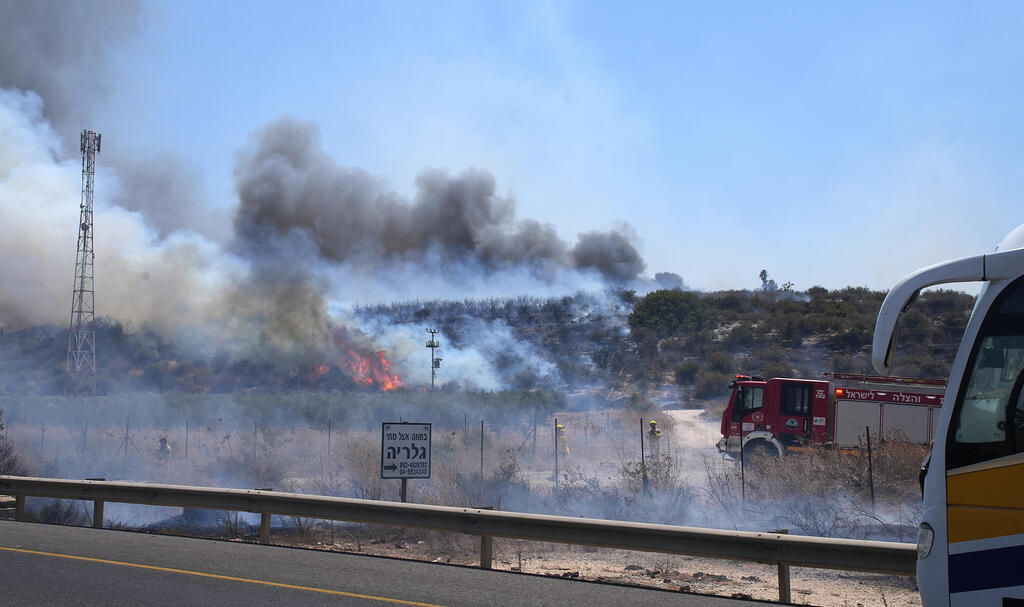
{"x": 366, "y": 368}
{"x": 371, "y": 371}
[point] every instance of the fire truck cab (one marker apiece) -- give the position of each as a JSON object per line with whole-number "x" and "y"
{"x": 770, "y": 416}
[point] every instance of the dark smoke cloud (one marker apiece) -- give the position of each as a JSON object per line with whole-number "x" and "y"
{"x": 59, "y": 50}
{"x": 167, "y": 191}
{"x": 611, "y": 253}
{"x": 289, "y": 188}
{"x": 669, "y": 280}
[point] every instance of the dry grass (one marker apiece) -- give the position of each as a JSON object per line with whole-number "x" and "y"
{"x": 819, "y": 492}
{"x": 828, "y": 492}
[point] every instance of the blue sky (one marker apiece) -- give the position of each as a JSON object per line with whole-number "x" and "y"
{"x": 831, "y": 143}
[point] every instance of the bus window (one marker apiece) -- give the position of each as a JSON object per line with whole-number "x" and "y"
{"x": 982, "y": 417}
{"x": 986, "y": 424}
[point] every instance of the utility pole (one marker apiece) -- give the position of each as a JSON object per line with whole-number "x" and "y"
{"x": 82, "y": 330}
{"x": 435, "y": 362}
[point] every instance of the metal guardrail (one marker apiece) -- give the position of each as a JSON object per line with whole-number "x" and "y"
{"x": 771, "y": 548}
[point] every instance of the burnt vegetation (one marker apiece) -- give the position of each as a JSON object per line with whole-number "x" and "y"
{"x": 587, "y": 341}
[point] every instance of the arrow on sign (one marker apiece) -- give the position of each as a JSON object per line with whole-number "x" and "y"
{"x": 392, "y": 467}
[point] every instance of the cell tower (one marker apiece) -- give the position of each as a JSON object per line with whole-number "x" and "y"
{"x": 435, "y": 362}
{"x": 82, "y": 332}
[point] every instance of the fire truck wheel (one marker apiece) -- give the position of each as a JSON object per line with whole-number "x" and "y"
{"x": 757, "y": 450}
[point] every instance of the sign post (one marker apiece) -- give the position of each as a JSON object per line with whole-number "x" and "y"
{"x": 404, "y": 451}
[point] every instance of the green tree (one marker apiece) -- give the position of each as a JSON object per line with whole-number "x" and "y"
{"x": 667, "y": 313}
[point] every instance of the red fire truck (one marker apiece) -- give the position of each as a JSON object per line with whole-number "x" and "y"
{"x": 773, "y": 416}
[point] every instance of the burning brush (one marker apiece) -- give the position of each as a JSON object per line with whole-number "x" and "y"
{"x": 363, "y": 365}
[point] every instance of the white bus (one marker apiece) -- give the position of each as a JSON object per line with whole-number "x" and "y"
{"x": 970, "y": 542}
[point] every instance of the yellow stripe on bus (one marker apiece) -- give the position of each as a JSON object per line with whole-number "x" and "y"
{"x": 985, "y": 500}
{"x": 994, "y": 487}
{"x": 966, "y": 523}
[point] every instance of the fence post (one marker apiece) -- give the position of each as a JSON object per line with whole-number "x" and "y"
{"x": 265, "y": 521}
{"x": 486, "y": 545}
{"x": 556, "y": 453}
{"x": 486, "y": 549}
{"x": 19, "y": 507}
{"x": 643, "y": 462}
{"x": 97, "y": 514}
{"x": 784, "y": 586}
{"x": 97, "y": 506}
{"x": 265, "y": 527}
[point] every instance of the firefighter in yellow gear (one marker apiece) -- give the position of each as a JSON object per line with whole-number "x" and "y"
{"x": 654, "y": 440}
{"x": 563, "y": 441}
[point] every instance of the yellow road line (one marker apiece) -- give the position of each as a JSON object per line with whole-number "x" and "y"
{"x": 368, "y": 597}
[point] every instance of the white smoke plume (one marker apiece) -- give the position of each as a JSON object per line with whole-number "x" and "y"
{"x": 310, "y": 237}
{"x": 142, "y": 279}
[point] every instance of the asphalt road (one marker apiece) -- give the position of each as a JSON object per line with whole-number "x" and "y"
{"x": 53, "y": 565}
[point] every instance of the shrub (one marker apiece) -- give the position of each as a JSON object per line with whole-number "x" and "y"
{"x": 686, "y": 372}
{"x": 10, "y": 462}
{"x": 720, "y": 361}
{"x": 710, "y": 384}
{"x": 777, "y": 369}
{"x": 667, "y": 313}
{"x": 742, "y": 335}
{"x": 63, "y": 512}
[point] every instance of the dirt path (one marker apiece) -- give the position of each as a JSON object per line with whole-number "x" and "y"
{"x": 692, "y": 440}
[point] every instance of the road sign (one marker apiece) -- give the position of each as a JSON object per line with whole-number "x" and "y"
{"x": 404, "y": 450}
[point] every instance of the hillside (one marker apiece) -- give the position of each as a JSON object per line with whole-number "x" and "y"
{"x": 586, "y": 342}
{"x": 798, "y": 334}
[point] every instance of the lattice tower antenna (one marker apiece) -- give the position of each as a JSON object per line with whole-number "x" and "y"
{"x": 435, "y": 362}
{"x": 82, "y": 332}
